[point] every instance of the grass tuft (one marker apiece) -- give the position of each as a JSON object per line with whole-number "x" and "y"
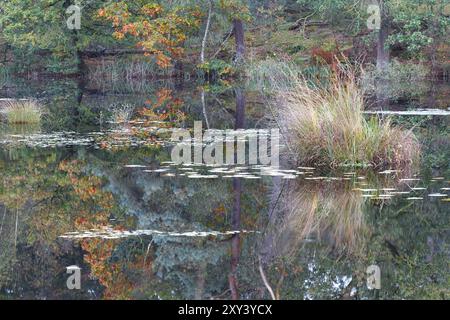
{"x": 22, "y": 112}
{"x": 325, "y": 125}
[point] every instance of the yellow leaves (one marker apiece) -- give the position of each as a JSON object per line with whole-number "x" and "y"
{"x": 118, "y": 35}
{"x": 163, "y": 96}
{"x": 236, "y": 9}
{"x": 152, "y": 10}
{"x": 130, "y": 28}
{"x": 220, "y": 210}
{"x": 116, "y": 21}
{"x": 162, "y": 60}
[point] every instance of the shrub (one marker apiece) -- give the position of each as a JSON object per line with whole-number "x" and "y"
{"x": 325, "y": 125}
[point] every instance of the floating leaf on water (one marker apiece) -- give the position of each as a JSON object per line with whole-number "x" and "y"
{"x": 110, "y": 233}
{"x": 365, "y": 190}
{"x": 160, "y": 170}
{"x": 200, "y": 176}
{"x": 169, "y": 175}
{"x": 134, "y": 166}
{"x": 384, "y": 196}
{"x": 417, "y": 112}
{"x": 388, "y": 172}
{"x": 289, "y": 176}
{"x": 437, "y": 195}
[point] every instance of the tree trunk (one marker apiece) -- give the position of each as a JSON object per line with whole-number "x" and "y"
{"x": 237, "y": 191}
{"x": 205, "y": 36}
{"x": 383, "y": 34}
{"x": 382, "y": 84}
{"x": 434, "y": 34}
{"x": 239, "y": 38}
{"x": 240, "y": 109}
{"x": 236, "y": 240}
{"x": 205, "y": 114}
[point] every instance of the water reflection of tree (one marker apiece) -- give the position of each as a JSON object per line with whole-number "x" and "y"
{"x": 38, "y": 206}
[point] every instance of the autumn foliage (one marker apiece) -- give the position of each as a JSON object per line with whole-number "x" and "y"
{"x": 94, "y": 211}
{"x": 159, "y": 31}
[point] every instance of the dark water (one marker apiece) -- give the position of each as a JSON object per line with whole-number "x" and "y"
{"x": 81, "y": 190}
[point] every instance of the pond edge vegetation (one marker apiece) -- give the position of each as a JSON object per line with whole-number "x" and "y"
{"x": 21, "y": 111}
{"x": 325, "y": 125}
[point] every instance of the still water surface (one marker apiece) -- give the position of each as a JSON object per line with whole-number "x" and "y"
{"x": 82, "y": 189}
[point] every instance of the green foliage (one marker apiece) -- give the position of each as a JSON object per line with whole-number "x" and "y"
{"x": 41, "y": 27}
{"x": 337, "y": 12}
{"x": 218, "y": 68}
{"x": 236, "y": 9}
{"x": 418, "y": 23}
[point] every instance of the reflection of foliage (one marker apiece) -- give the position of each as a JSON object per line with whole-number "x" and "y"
{"x": 44, "y": 193}
{"x": 411, "y": 249}
{"x": 39, "y": 207}
{"x": 94, "y": 211}
{"x": 61, "y": 197}
{"x": 218, "y": 69}
{"x": 437, "y": 143}
{"x": 53, "y": 197}
{"x": 166, "y": 109}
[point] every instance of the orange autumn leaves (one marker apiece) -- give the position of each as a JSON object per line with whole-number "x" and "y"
{"x": 94, "y": 209}
{"x": 159, "y": 31}
{"x": 165, "y": 109}
{"x": 94, "y": 205}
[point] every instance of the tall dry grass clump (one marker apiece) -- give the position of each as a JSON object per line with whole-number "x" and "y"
{"x": 22, "y": 111}
{"x": 325, "y": 125}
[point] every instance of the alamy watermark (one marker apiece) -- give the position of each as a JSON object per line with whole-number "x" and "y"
{"x": 374, "y": 20}
{"x": 74, "y": 20}
{"x": 74, "y": 281}
{"x": 229, "y": 147}
{"x": 74, "y": 11}
{"x": 373, "y": 277}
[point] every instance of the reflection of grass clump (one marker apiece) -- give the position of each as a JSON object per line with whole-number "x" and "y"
{"x": 326, "y": 126}
{"x": 22, "y": 112}
{"x": 320, "y": 212}
{"x": 122, "y": 113}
